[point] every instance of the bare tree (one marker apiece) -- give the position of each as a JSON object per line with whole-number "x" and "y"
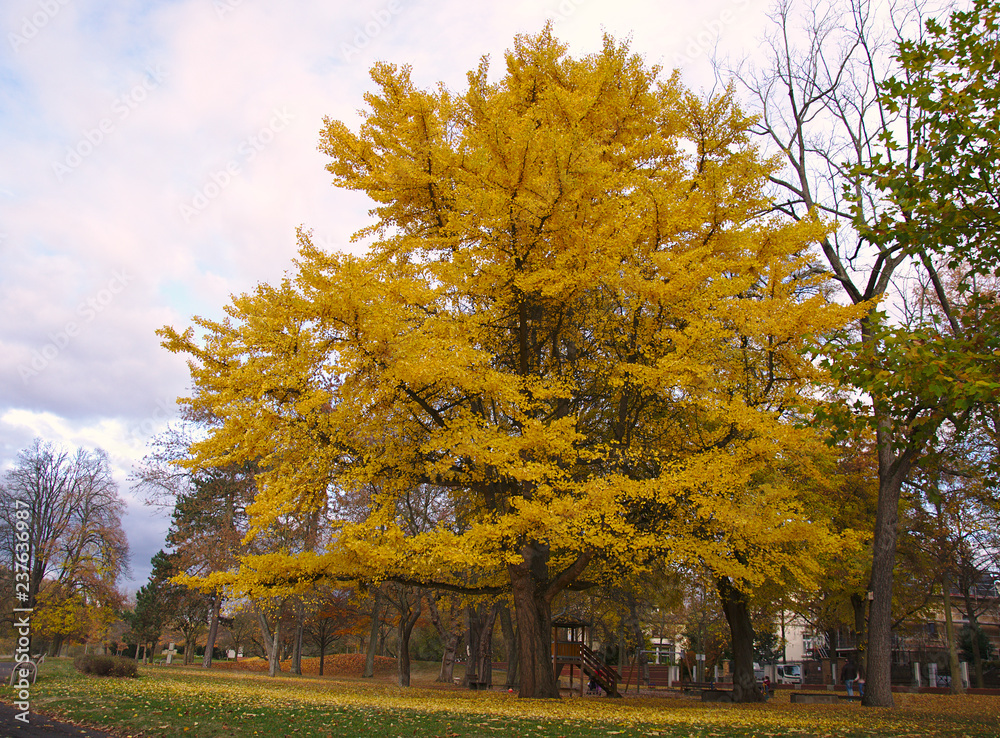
{"x": 60, "y": 525}
{"x": 822, "y": 109}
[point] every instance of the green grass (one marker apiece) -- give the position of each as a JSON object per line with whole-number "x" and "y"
{"x": 178, "y": 701}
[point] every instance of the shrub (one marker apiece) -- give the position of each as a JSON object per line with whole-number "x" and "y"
{"x": 106, "y": 666}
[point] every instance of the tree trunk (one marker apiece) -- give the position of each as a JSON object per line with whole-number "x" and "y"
{"x": 190, "y": 644}
{"x": 956, "y": 671}
{"x": 977, "y": 656}
{"x": 635, "y": 631}
{"x": 446, "y": 673}
{"x": 532, "y": 591}
{"x": 274, "y": 662}
{"x": 833, "y": 642}
{"x": 450, "y": 638}
{"x": 735, "y": 607}
{"x": 534, "y": 630}
{"x": 383, "y": 634}
{"x": 408, "y": 615}
{"x": 487, "y": 620}
{"x": 369, "y": 671}
{"x": 271, "y": 645}
{"x": 265, "y": 631}
{"x": 859, "y": 606}
{"x": 213, "y": 630}
{"x": 623, "y": 649}
{"x": 891, "y": 473}
{"x": 510, "y": 646}
{"x": 471, "y": 647}
{"x": 300, "y": 616}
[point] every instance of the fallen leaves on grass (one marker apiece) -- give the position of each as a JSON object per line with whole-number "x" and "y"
{"x": 340, "y": 664}
{"x": 245, "y": 699}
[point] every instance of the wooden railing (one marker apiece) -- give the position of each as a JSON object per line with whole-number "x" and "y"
{"x": 604, "y": 674}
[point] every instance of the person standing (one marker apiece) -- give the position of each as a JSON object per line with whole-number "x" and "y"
{"x": 850, "y": 676}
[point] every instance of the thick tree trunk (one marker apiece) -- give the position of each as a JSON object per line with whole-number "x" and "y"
{"x": 213, "y": 630}
{"x": 534, "y": 626}
{"x": 510, "y": 646}
{"x": 369, "y": 671}
{"x": 532, "y": 591}
{"x": 737, "y": 611}
{"x": 892, "y": 471}
{"x": 956, "y": 671}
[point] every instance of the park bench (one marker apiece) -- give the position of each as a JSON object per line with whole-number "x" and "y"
{"x": 816, "y": 698}
{"x": 709, "y": 691}
{"x": 716, "y": 695}
{"x": 9, "y": 670}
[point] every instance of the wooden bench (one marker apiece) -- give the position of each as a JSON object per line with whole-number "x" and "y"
{"x": 717, "y": 695}
{"x": 816, "y": 698}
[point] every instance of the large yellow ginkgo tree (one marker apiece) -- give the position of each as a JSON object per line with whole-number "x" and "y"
{"x": 575, "y": 318}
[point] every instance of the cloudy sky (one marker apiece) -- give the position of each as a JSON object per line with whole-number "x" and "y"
{"x": 156, "y": 157}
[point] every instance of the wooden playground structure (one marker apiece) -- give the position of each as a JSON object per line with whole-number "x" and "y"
{"x": 570, "y": 648}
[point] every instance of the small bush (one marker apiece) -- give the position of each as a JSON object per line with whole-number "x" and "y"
{"x": 106, "y": 666}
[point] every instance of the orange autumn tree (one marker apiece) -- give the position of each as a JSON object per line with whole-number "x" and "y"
{"x": 575, "y": 319}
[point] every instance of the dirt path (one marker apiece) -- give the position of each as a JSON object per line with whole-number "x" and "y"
{"x": 41, "y": 726}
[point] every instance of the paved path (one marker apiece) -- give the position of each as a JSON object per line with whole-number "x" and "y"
{"x": 41, "y": 726}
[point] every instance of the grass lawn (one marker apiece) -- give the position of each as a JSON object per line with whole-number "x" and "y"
{"x": 175, "y": 701}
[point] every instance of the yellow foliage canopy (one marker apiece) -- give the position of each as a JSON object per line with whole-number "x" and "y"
{"x": 576, "y": 319}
